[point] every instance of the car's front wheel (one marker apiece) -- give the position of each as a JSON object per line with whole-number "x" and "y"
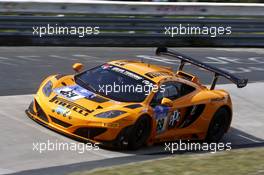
{"x": 218, "y": 126}
{"x": 140, "y": 133}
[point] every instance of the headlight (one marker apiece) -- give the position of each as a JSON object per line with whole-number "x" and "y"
{"x": 47, "y": 89}
{"x": 110, "y": 114}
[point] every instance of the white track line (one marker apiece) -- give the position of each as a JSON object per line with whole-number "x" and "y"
{"x": 29, "y": 57}
{"x": 62, "y": 57}
{"x": 253, "y": 140}
{"x": 6, "y": 63}
{"x": 4, "y": 58}
{"x": 158, "y": 59}
{"x": 89, "y": 58}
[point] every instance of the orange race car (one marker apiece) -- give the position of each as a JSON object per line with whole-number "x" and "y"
{"x": 131, "y": 103}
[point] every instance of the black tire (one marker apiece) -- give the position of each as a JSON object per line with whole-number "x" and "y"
{"x": 218, "y": 126}
{"x": 139, "y": 133}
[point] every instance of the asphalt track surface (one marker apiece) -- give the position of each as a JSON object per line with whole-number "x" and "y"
{"x": 23, "y": 68}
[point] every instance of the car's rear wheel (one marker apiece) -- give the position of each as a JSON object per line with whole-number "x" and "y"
{"x": 140, "y": 133}
{"x": 218, "y": 126}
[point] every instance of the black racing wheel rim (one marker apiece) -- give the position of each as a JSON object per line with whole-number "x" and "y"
{"x": 218, "y": 127}
{"x": 140, "y": 133}
{"x": 141, "y": 130}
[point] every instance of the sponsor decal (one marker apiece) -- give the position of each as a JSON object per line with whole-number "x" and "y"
{"x": 157, "y": 74}
{"x": 65, "y": 112}
{"x": 165, "y": 118}
{"x": 106, "y": 66}
{"x": 74, "y": 92}
{"x": 174, "y": 119}
{"x": 218, "y": 99}
{"x": 161, "y": 113}
{"x": 70, "y": 105}
{"x": 127, "y": 73}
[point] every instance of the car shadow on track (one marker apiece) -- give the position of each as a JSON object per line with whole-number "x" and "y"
{"x": 236, "y": 138}
{"x": 241, "y": 139}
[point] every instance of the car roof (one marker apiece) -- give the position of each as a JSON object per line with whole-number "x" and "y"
{"x": 150, "y": 71}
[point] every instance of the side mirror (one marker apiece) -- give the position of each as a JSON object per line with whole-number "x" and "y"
{"x": 166, "y": 102}
{"x": 77, "y": 67}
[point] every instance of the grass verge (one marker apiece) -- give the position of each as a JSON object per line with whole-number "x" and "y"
{"x": 235, "y": 162}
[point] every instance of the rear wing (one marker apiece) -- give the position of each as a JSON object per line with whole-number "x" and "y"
{"x": 217, "y": 72}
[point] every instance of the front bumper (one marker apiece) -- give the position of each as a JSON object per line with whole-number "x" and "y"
{"x": 55, "y": 128}
{"x": 82, "y": 132}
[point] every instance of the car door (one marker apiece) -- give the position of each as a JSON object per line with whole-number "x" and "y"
{"x": 169, "y": 117}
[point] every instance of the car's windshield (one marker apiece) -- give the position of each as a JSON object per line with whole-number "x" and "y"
{"x": 115, "y": 83}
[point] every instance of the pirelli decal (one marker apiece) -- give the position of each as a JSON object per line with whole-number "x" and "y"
{"x": 70, "y": 105}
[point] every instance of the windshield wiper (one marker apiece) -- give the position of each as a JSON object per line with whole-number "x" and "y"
{"x": 87, "y": 85}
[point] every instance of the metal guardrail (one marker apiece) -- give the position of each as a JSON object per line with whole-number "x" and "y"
{"x": 118, "y": 29}
{"x": 131, "y": 8}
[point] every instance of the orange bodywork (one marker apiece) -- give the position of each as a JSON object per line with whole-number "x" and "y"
{"x": 81, "y": 113}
